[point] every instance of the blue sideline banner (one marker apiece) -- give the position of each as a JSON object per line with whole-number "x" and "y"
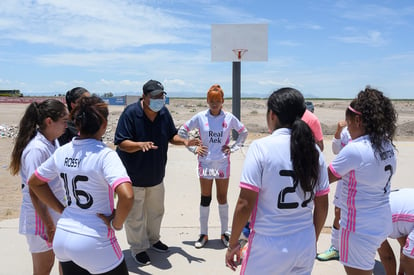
{"x": 115, "y": 100}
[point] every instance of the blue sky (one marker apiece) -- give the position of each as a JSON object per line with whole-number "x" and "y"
{"x": 323, "y": 48}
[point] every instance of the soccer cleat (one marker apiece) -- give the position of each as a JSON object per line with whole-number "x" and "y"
{"x": 201, "y": 242}
{"x": 225, "y": 238}
{"x": 331, "y": 254}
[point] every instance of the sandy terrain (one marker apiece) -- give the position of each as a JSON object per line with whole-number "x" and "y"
{"x": 252, "y": 115}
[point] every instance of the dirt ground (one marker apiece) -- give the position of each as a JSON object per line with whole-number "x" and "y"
{"x": 253, "y": 113}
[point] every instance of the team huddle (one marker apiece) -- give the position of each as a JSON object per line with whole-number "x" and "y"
{"x": 70, "y": 180}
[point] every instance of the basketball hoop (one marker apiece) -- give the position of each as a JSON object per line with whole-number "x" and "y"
{"x": 239, "y": 53}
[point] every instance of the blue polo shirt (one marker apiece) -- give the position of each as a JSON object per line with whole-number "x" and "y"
{"x": 145, "y": 168}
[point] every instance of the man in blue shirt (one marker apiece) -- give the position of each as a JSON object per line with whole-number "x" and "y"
{"x": 143, "y": 132}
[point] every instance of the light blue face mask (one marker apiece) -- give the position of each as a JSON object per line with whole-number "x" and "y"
{"x": 156, "y": 104}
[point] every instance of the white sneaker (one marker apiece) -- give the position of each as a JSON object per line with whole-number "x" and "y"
{"x": 201, "y": 242}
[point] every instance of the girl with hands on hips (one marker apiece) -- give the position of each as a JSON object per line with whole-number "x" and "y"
{"x": 215, "y": 127}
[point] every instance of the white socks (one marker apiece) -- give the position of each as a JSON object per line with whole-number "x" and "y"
{"x": 335, "y": 238}
{"x": 204, "y": 213}
{"x": 224, "y": 217}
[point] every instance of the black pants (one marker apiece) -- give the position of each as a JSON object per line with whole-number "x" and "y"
{"x": 70, "y": 268}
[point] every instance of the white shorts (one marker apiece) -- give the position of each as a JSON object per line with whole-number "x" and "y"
{"x": 97, "y": 255}
{"x": 338, "y": 192}
{"x": 358, "y": 250}
{"x": 37, "y": 244}
{"x": 214, "y": 169}
{"x": 290, "y": 254}
{"x": 408, "y": 249}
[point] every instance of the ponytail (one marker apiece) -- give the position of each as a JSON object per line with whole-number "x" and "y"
{"x": 27, "y": 131}
{"x": 304, "y": 156}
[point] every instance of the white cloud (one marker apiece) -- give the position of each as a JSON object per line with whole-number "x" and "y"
{"x": 306, "y": 26}
{"x": 405, "y": 57}
{"x": 372, "y": 38}
{"x": 4, "y": 81}
{"x": 129, "y": 83}
{"x": 177, "y": 82}
{"x": 91, "y": 25}
{"x": 275, "y": 83}
{"x": 377, "y": 14}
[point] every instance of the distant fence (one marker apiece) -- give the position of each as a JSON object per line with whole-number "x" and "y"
{"x": 6, "y": 99}
{"x": 115, "y": 100}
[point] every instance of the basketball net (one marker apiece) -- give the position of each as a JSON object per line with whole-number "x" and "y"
{"x": 239, "y": 53}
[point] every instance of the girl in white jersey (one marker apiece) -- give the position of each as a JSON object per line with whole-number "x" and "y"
{"x": 32, "y": 147}
{"x": 402, "y": 209}
{"x": 215, "y": 127}
{"x": 85, "y": 241}
{"x": 284, "y": 188}
{"x": 339, "y": 141}
{"x": 365, "y": 166}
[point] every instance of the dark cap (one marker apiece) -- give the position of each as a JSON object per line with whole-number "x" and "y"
{"x": 153, "y": 88}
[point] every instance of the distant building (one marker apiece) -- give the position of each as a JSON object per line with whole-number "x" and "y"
{"x": 15, "y": 93}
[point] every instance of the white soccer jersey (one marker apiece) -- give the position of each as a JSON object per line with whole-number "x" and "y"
{"x": 402, "y": 209}
{"x": 36, "y": 152}
{"x": 338, "y": 144}
{"x": 215, "y": 132}
{"x": 366, "y": 183}
{"x": 90, "y": 172}
{"x": 282, "y": 208}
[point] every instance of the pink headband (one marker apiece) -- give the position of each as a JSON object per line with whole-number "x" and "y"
{"x": 354, "y": 111}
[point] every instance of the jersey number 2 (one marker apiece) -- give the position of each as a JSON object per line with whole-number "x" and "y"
{"x": 281, "y": 204}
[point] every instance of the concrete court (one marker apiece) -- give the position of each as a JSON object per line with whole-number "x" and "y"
{"x": 180, "y": 227}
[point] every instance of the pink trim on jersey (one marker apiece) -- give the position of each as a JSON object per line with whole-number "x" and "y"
{"x": 241, "y": 130}
{"x": 352, "y": 191}
{"x": 407, "y": 245}
{"x": 200, "y": 168}
{"x": 39, "y": 226}
{"x": 344, "y": 245}
{"x": 247, "y": 254}
{"x": 228, "y": 168}
{"x": 186, "y": 127}
{"x": 322, "y": 192}
{"x": 402, "y": 218}
{"x": 120, "y": 181}
{"x": 251, "y": 235}
{"x": 40, "y": 177}
{"x": 333, "y": 171}
{"x": 114, "y": 243}
{"x": 40, "y": 230}
{"x": 249, "y": 187}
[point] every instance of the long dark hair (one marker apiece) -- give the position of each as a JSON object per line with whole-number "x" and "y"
{"x": 73, "y": 95}
{"x": 289, "y": 106}
{"x": 378, "y": 116}
{"x": 89, "y": 114}
{"x": 34, "y": 116}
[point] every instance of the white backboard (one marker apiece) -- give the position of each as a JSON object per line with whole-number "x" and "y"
{"x": 228, "y": 40}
